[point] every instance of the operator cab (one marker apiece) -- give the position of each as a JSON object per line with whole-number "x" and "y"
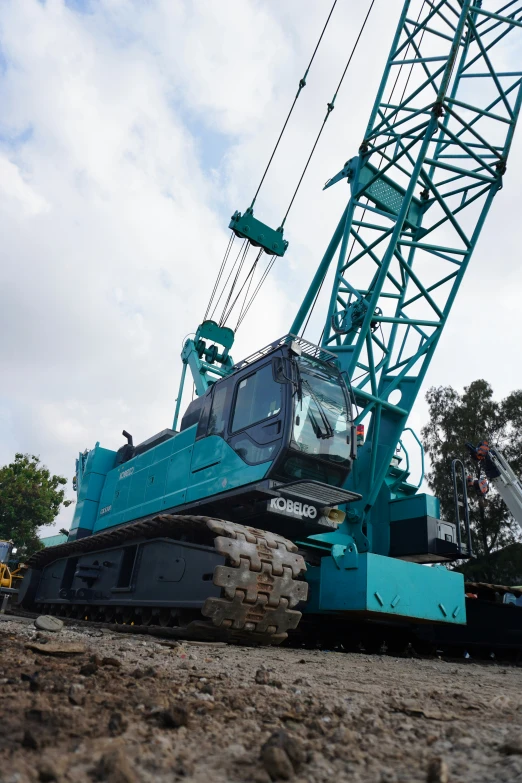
{"x": 287, "y": 405}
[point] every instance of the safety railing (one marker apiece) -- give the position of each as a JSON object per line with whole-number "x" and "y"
{"x": 457, "y": 467}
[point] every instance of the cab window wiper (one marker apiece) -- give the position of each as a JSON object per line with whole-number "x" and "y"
{"x": 328, "y": 429}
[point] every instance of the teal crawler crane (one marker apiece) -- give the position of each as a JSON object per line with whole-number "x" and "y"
{"x": 262, "y": 506}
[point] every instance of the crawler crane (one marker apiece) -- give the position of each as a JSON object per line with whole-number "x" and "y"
{"x": 265, "y": 511}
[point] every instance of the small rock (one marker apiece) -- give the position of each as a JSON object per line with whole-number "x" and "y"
{"x": 513, "y": 745}
{"x": 262, "y": 677}
{"x": 174, "y": 716}
{"x": 114, "y": 766}
{"x": 88, "y": 669}
{"x": 282, "y": 755}
{"x": 47, "y": 622}
{"x": 111, "y": 662}
{"x": 139, "y": 674}
{"x": 276, "y": 762}
{"x": 55, "y": 648}
{"x": 77, "y": 694}
{"x": 437, "y": 771}
{"x": 117, "y": 724}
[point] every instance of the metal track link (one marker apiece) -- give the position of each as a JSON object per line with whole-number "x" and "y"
{"x": 258, "y": 587}
{"x": 259, "y": 583}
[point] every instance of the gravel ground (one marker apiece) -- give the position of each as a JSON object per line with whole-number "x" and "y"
{"x": 87, "y": 705}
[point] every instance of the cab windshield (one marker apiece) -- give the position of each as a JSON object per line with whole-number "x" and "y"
{"x": 320, "y": 426}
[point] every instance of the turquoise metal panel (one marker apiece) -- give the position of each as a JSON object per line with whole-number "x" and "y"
{"x": 98, "y": 463}
{"x": 260, "y": 235}
{"x": 137, "y": 488}
{"x": 100, "y": 460}
{"x": 380, "y": 585}
{"x": 156, "y": 478}
{"x": 177, "y": 477}
{"x": 216, "y": 468}
{"x": 91, "y": 488}
{"x": 208, "y": 451}
{"x": 121, "y": 496}
{"x": 53, "y": 540}
{"x": 184, "y": 439}
{"x": 148, "y": 483}
{"x": 416, "y": 506}
{"x": 174, "y": 472}
{"x": 85, "y": 515}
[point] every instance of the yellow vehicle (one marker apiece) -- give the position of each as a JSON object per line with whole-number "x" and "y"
{"x": 10, "y": 578}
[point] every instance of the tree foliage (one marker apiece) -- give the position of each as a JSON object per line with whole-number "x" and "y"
{"x": 472, "y": 416}
{"x": 30, "y": 498}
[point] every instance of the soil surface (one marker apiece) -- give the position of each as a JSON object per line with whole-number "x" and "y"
{"x": 91, "y": 705}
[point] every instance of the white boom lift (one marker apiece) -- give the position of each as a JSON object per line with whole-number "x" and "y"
{"x": 500, "y": 475}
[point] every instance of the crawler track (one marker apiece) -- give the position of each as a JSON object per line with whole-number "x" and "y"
{"x": 259, "y": 582}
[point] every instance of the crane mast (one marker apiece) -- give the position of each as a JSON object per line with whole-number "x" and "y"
{"x": 431, "y": 161}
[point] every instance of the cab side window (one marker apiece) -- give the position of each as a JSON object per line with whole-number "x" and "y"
{"x": 220, "y": 408}
{"x": 258, "y": 397}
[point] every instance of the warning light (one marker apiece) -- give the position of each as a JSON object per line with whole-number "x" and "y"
{"x": 360, "y": 434}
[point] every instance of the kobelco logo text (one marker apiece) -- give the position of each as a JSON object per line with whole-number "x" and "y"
{"x": 126, "y": 473}
{"x": 293, "y": 507}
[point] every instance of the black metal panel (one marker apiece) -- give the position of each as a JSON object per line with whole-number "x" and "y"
{"x": 490, "y": 626}
{"x": 163, "y": 572}
{"x": 155, "y": 440}
{"x": 418, "y": 540}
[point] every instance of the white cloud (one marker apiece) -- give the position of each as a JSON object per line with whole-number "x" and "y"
{"x": 128, "y": 135}
{"x": 16, "y": 195}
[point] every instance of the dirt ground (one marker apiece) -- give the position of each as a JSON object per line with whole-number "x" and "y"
{"x": 91, "y": 705}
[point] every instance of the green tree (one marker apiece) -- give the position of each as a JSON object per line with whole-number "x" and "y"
{"x": 456, "y": 419}
{"x": 30, "y": 498}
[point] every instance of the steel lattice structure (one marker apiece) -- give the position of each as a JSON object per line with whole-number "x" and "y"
{"x": 431, "y": 162}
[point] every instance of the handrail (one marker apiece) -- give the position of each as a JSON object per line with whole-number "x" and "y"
{"x": 409, "y": 429}
{"x": 465, "y": 505}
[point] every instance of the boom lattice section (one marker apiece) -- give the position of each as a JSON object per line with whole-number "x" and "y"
{"x": 432, "y": 159}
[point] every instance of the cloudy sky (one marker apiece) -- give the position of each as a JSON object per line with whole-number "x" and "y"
{"x": 129, "y": 133}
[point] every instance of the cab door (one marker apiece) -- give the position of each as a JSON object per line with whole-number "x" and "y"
{"x": 256, "y": 425}
{"x": 243, "y": 434}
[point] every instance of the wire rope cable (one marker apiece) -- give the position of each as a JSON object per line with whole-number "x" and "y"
{"x": 302, "y": 84}
{"x": 220, "y": 273}
{"x": 258, "y": 288}
{"x": 247, "y": 282}
{"x": 243, "y": 254}
{"x": 329, "y": 108}
{"x": 228, "y": 278}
